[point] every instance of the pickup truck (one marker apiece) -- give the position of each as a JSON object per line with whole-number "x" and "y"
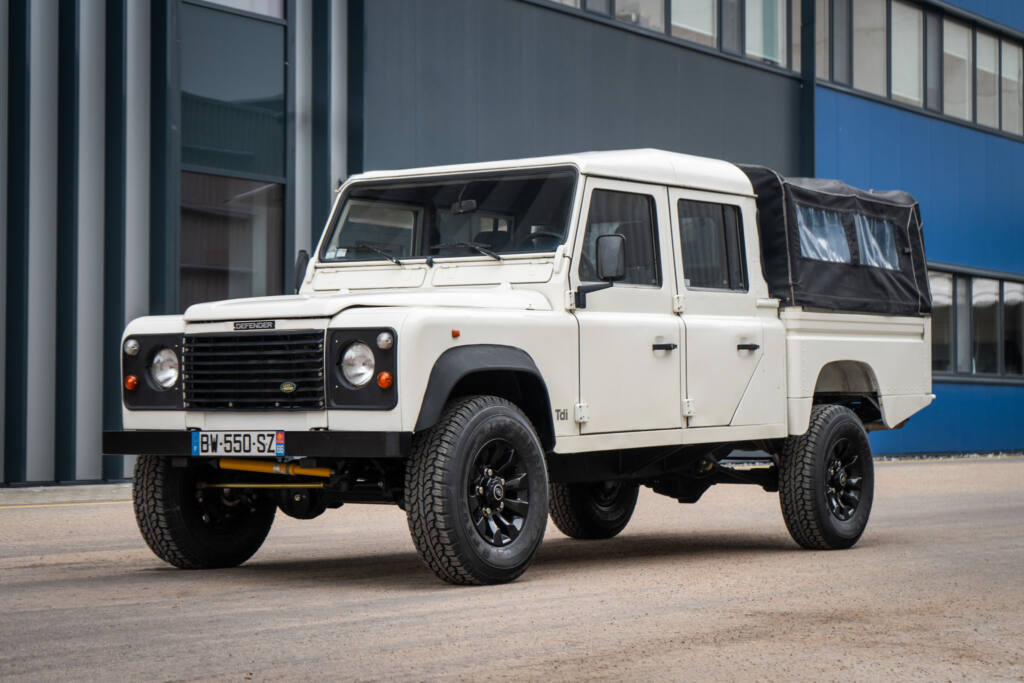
{"x": 487, "y": 344}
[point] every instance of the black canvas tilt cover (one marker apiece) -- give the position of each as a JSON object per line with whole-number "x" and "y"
{"x": 827, "y": 245}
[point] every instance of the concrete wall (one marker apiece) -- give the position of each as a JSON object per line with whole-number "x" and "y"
{"x": 466, "y": 80}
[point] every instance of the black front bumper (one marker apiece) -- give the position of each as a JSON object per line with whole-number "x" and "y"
{"x": 297, "y": 444}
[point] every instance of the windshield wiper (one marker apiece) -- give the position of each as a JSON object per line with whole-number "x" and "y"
{"x": 363, "y": 246}
{"x": 476, "y": 246}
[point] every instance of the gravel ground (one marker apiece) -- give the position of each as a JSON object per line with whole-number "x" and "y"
{"x": 717, "y": 590}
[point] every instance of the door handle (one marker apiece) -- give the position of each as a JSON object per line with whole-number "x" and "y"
{"x": 663, "y": 347}
{"x": 747, "y": 347}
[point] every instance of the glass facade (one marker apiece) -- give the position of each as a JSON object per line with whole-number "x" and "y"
{"x": 942, "y": 321}
{"x": 649, "y": 14}
{"x": 766, "y": 30}
{"x": 232, "y": 71}
{"x": 869, "y": 49}
{"x": 987, "y": 74}
{"x": 1013, "y": 88}
{"x": 696, "y": 21}
{"x": 957, "y": 71}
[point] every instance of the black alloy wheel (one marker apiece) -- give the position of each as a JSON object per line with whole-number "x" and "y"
{"x": 826, "y": 480}
{"x": 498, "y": 492}
{"x": 476, "y": 490}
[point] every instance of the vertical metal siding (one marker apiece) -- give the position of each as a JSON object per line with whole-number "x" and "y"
{"x": 91, "y": 141}
{"x": 40, "y": 419}
{"x": 4, "y": 103}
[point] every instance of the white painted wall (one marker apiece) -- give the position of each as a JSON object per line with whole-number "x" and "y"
{"x": 303, "y": 130}
{"x": 136, "y": 266}
{"x": 339, "y": 93}
{"x": 42, "y": 240}
{"x": 91, "y": 149}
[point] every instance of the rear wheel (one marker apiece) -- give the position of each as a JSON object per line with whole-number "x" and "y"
{"x": 598, "y": 510}
{"x": 192, "y": 526}
{"x": 476, "y": 492}
{"x": 826, "y": 480}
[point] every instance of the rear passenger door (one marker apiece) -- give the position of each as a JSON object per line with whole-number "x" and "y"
{"x": 724, "y": 333}
{"x": 630, "y": 339}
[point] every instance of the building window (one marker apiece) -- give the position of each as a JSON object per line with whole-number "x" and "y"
{"x": 869, "y": 49}
{"x": 766, "y": 30}
{"x": 271, "y": 8}
{"x": 985, "y": 325}
{"x": 956, "y": 70}
{"x": 907, "y": 54}
{"x": 599, "y": 6}
{"x": 841, "y": 58}
{"x": 795, "y": 58}
{"x": 232, "y": 238}
{"x": 732, "y": 36}
{"x": 649, "y": 14}
{"x": 1013, "y": 88}
{"x": 1013, "y": 328}
{"x": 821, "y": 24}
{"x": 696, "y": 21}
{"x": 987, "y": 107}
{"x": 942, "y": 321}
{"x": 232, "y": 76}
{"x": 933, "y": 61}
{"x": 977, "y": 325}
{"x": 712, "y": 245}
{"x": 570, "y": 3}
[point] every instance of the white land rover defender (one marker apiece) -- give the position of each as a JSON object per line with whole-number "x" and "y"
{"x": 485, "y": 344}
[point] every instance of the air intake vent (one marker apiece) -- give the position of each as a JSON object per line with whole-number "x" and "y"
{"x": 270, "y": 371}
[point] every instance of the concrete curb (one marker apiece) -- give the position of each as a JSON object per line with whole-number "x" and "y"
{"x": 49, "y": 495}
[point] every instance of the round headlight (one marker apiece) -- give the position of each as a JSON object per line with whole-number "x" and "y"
{"x": 164, "y": 368}
{"x": 357, "y": 364}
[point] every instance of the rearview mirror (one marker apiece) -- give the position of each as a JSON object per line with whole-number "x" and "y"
{"x": 301, "y": 262}
{"x": 611, "y": 258}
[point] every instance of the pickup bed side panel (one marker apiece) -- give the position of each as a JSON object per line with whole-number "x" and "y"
{"x": 893, "y": 351}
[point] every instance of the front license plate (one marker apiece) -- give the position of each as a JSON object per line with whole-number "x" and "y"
{"x": 238, "y": 443}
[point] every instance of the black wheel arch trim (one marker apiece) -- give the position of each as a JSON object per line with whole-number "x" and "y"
{"x": 463, "y": 362}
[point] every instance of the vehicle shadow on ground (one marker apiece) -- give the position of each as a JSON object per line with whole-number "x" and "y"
{"x": 406, "y": 570}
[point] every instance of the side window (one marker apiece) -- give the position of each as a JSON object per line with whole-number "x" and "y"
{"x": 711, "y": 236}
{"x": 876, "y": 241}
{"x": 632, "y": 216}
{"x": 822, "y": 236}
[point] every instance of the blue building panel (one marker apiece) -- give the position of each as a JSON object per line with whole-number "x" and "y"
{"x": 967, "y": 182}
{"x": 974, "y": 418}
{"x": 1006, "y": 12}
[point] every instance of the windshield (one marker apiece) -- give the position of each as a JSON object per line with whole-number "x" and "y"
{"x": 491, "y": 215}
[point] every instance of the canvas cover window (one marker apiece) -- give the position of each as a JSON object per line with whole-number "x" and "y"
{"x": 876, "y": 241}
{"x": 822, "y": 236}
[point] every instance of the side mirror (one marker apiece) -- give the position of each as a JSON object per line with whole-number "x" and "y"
{"x": 611, "y": 266}
{"x": 301, "y": 262}
{"x": 611, "y": 258}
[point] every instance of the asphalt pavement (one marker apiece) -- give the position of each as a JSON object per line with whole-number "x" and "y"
{"x": 717, "y": 590}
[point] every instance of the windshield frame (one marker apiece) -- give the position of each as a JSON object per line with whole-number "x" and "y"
{"x": 467, "y": 176}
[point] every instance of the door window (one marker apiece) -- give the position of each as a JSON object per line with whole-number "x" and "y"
{"x": 632, "y": 216}
{"x": 712, "y": 245}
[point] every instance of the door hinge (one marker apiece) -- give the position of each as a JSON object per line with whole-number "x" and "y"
{"x": 677, "y": 303}
{"x": 581, "y": 412}
{"x": 570, "y": 300}
{"x": 689, "y": 409}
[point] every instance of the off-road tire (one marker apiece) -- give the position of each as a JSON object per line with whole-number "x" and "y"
{"x": 804, "y": 480}
{"x": 592, "y": 511}
{"x": 438, "y": 506}
{"x": 170, "y": 518}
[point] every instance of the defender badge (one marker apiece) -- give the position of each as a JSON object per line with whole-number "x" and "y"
{"x": 287, "y": 387}
{"x": 254, "y": 325}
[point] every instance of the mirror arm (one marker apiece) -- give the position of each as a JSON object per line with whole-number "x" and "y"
{"x": 583, "y": 290}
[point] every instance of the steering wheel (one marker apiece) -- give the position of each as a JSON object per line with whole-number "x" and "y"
{"x": 540, "y": 233}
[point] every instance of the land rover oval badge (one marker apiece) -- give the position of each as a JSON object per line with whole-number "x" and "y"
{"x": 287, "y": 387}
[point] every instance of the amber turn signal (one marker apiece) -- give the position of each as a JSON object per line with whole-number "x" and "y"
{"x": 131, "y": 382}
{"x": 385, "y": 380}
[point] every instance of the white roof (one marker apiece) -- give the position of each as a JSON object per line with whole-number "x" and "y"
{"x": 641, "y": 165}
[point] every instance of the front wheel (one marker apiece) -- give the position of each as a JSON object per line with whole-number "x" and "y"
{"x": 598, "y": 510}
{"x": 827, "y": 480}
{"x": 476, "y": 492}
{"x": 192, "y": 526}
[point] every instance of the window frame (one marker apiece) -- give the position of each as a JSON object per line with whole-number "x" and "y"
{"x": 964, "y": 277}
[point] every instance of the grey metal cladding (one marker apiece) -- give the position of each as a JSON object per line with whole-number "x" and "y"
{"x": 467, "y": 80}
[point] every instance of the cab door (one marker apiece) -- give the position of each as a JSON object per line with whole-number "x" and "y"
{"x": 725, "y": 335}
{"x": 630, "y": 338}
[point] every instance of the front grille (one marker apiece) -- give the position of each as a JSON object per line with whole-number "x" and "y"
{"x": 254, "y": 371}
